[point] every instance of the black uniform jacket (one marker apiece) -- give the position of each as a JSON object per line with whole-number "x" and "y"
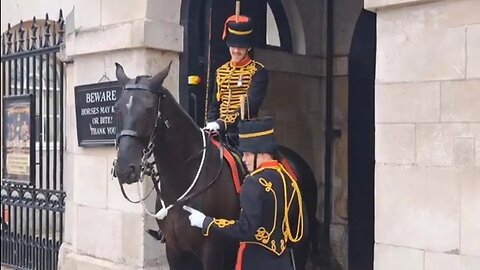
{"x": 265, "y": 226}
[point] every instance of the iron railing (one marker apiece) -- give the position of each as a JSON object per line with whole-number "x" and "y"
{"x": 32, "y": 215}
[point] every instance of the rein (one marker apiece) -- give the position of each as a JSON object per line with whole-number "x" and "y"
{"x": 162, "y": 213}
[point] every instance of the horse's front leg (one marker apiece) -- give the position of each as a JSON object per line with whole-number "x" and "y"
{"x": 181, "y": 260}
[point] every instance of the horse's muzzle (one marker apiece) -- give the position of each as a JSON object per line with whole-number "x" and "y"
{"x": 127, "y": 174}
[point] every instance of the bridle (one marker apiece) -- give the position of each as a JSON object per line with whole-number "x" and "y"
{"x": 148, "y": 166}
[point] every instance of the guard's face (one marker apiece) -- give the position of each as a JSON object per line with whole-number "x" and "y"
{"x": 249, "y": 160}
{"x": 238, "y": 54}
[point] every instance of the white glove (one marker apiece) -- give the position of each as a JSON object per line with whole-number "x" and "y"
{"x": 196, "y": 217}
{"x": 213, "y": 126}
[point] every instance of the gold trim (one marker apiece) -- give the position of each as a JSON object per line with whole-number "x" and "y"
{"x": 255, "y": 134}
{"x": 207, "y": 231}
{"x": 240, "y": 33}
{"x": 222, "y": 223}
{"x": 260, "y": 235}
{"x": 278, "y": 253}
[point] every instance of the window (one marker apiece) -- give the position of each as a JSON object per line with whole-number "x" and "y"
{"x": 278, "y": 35}
{"x": 273, "y": 38}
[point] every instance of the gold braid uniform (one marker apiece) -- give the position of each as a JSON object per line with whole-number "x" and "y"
{"x": 270, "y": 219}
{"x": 249, "y": 80}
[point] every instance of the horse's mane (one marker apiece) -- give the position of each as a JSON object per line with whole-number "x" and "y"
{"x": 145, "y": 79}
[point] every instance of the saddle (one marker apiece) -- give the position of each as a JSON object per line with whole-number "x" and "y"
{"x": 233, "y": 157}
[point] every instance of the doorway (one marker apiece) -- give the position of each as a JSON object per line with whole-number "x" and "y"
{"x": 205, "y": 50}
{"x": 361, "y": 142}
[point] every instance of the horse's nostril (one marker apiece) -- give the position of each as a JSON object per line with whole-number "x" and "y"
{"x": 131, "y": 174}
{"x": 132, "y": 169}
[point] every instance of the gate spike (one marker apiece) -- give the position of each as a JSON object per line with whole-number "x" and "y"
{"x": 27, "y": 40}
{"x": 21, "y": 39}
{"x": 15, "y": 41}
{"x": 3, "y": 44}
{"x": 61, "y": 29}
{"x": 34, "y": 29}
{"x": 47, "y": 32}
{"x": 9, "y": 39}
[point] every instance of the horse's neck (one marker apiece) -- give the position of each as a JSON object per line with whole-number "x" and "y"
{"x": 178, "y": 151}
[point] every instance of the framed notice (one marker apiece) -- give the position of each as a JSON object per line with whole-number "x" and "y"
{"x": 96, "y": 121}
{"x": 18, "y": 145}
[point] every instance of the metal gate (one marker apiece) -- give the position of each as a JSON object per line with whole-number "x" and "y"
{"x": 32, "y": 213}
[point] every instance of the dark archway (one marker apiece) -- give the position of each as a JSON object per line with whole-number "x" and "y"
{"x": 205, "y": 51}
{"x": 361, "y": 142}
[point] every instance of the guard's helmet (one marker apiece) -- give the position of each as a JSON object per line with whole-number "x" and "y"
{"x": 238, "y": 32}
{"x": 257, "y": 136}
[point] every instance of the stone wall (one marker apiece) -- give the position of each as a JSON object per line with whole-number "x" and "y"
{"x": 103, "y": 230}
{"x": 427, "y": 135}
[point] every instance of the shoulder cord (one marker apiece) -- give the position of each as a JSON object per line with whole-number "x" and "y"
{"x": 299, "y": 232}
{"x": 288, "y": 203}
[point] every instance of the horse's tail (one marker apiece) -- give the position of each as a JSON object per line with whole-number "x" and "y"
{"x": 308, "y": 187}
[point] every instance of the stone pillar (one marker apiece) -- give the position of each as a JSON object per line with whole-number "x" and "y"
{"x": 427, "y": 201}
{"x": 103, "y": 230}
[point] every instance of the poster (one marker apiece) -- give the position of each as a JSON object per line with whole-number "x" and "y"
{"x": 19, "y": 138}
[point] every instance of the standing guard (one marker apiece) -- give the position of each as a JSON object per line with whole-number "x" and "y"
{"x": 271, "y": 216}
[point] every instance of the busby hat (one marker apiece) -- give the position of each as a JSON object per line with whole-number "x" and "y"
{"x": 238, "y": 31}
{"x": 256, "y": 136}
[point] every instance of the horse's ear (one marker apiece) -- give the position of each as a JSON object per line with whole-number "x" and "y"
{"x": 120, "y": 73}
{"x": 158, "y": 79}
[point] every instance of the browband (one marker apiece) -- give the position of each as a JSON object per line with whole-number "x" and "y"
{"x": 134, "y": 86}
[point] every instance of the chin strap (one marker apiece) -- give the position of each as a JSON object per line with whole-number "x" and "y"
{"x": 255, "y": 161}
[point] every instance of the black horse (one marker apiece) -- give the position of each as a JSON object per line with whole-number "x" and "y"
{"x": 150, "y": 120}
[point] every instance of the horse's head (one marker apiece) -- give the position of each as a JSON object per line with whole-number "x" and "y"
{"x": 139, "y": 113}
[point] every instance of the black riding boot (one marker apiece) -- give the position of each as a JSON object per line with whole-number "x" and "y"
{"x": 157, "y": 235}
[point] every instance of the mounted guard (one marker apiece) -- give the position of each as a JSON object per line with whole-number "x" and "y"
{"x": 240, "y": 83}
